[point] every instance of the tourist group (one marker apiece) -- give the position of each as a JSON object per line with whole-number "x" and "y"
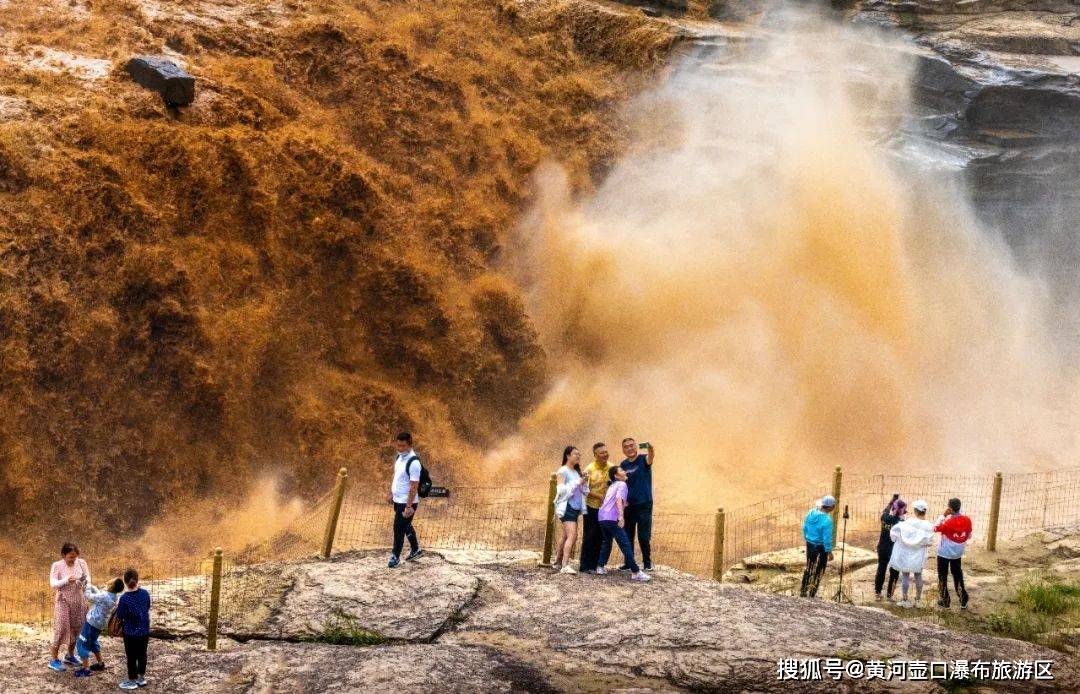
{"x": 615, "y": 501}
{"x": 119, "y": 608}
{"x": 902, "y": 549}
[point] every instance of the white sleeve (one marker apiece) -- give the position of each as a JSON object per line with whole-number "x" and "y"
{"x": 414, "y": 470}
{"x": 53, "y": 580}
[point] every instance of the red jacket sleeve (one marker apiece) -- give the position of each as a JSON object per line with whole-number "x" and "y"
{"x": 956, "y": 527}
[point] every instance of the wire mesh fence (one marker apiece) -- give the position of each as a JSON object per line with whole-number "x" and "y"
{"x": 515, "y": 518}
{"x": 176, "y": 587}
{"x": 474, "y": 518}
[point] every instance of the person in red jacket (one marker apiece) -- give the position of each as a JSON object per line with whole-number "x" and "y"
{"x": 955, "y": 529}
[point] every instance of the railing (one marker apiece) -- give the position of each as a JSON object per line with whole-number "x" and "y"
{"x": 515, "y": 518}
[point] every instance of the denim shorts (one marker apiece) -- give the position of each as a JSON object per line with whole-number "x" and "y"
{"x": 87, "y": 642}
{"x": 571, "y": 514}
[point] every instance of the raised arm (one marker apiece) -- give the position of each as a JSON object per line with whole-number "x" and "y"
{"x": 650, "y": 454}
{"x": 97, "y": 596}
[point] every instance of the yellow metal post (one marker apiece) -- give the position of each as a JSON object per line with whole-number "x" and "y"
{"x": 718, "y": 546}
{"x": 549, "y": 526}
{"x": 215, "y": 603}
{"x": 838, "y": 477}
{"x": 995, "y": 510}
{"x": 335, "y": 513}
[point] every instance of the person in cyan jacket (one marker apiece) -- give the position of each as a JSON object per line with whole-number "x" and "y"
{"x": 818, "y": 533}
{"x": 955, "y": 529}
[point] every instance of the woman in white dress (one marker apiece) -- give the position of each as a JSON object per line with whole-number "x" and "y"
{"x": 911, "y": 538}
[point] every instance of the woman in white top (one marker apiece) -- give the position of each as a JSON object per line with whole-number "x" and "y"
{"x": 570, "y": 492}
{"x": 911, "y": 538}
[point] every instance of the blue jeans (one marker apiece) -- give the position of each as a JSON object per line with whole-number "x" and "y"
{"x": 639, "y": 517}
{"x": 612, "y": 531}
{"x": 87, "y": 642}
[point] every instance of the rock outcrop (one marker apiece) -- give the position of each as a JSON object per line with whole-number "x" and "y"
{"x": 485, "y": 622}
{"x": 998, "y": 83}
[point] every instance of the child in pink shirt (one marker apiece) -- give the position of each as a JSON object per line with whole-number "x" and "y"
{"x": 613, "y": 525}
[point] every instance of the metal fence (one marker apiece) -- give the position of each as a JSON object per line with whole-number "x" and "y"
{"x": 503, "y": 519}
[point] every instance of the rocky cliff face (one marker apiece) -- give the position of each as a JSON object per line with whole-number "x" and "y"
{"x": 999, "y": 87}
{"x": 494, "y": 623}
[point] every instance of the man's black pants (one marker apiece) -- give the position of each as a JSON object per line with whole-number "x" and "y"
{"x": 403, "y": 529}
{"x": 816, "y": 559}
{"x": 135, "y": 649}
{"x": 638, "y": 519}
{"x": 591, "y": 538}
{"x": 944, "y": 566}
{"x": 884, "y": 554}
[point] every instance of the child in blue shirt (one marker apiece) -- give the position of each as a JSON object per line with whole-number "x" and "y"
{"x": 134, "y": 613}
{"x": 102, "y": 603}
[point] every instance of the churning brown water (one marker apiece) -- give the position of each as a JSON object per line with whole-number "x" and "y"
{"x": 765, "y": 287}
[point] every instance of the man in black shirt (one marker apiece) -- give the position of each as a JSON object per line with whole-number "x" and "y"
{"x": 638, "y": 514}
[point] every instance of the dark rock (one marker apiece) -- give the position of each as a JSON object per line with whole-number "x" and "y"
{"x": 165, "y": 77}
{"x": 1026, "y": 109}
{"x": 939, "y": 86}
{"x": 650, "y": 12}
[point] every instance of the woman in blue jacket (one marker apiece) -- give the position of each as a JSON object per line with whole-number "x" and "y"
{"x": 134, "y": 612}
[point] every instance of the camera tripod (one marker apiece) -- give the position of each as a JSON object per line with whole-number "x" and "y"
{"x": 841, "y": 595}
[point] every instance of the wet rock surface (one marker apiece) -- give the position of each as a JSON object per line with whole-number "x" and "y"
{"x": 490, "y": 622}
{"x": 997, "y": 87}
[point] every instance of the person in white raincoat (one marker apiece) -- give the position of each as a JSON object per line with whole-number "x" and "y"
{"x": 911, "y": 539}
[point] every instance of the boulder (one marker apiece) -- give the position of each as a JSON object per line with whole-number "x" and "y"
{"x": 162, "y": 75}
{"x": 490, "y": 622}
{"x": 794, "y": 559}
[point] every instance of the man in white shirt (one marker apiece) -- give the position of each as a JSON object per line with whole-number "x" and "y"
{"x": 403, "y": 495}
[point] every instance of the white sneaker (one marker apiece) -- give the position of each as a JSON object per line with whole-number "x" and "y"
{"x": 556, "y": 567}
{"x": 568, "y": 570}
{"x": 641, "y": 576}
{"x": 904, "y": 603}
{"x": 601, "y": 571}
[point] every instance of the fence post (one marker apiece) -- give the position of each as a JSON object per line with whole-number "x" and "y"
{"x": 838, "y": 477}
{"x": 718, "y": 546}
{"x": 549, "y": 526}
{"x": 335, "y": 513}
{"x": 215, "y": 603}
{"x": 995, "y": 510}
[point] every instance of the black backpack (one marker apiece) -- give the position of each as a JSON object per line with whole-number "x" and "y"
{"x": 424, "y": 487}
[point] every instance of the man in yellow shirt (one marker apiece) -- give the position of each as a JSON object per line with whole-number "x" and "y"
{"x": 597, "y": 472}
